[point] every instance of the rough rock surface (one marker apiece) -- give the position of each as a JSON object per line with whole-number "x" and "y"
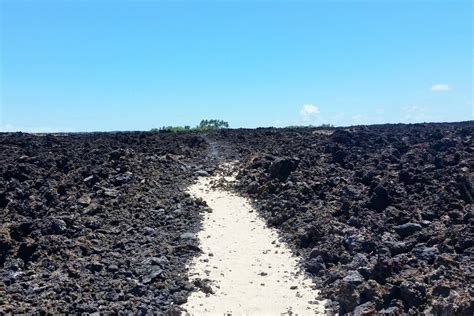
{"x": 95, "y": 222}
{"x": 382, "y": 216}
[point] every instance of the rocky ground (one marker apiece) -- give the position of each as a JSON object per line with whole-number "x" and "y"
{"x": 97, "y": 222}
{"x": 381, "y": 216}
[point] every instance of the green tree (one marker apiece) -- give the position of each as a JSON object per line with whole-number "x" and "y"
{"x": 213, "y": 124}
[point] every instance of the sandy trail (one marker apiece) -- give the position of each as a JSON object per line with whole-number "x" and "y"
{"x": 252, "y": 273}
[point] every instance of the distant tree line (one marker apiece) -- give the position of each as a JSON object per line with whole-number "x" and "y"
{"x": 213, "y": 124}
{"x": 204, "y": 125}
{"x": 311, "y": 126}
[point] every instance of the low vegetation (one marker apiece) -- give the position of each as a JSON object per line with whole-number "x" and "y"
{"x": 311, "y": 126}
{"x": 204, "y": 125}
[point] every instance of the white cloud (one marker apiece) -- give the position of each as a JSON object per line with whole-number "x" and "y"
{"x": 440, "y": 87}
{"x": 308, "y": 111}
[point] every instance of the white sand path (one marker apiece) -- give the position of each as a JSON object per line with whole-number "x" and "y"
{"x": 252, "y": 273}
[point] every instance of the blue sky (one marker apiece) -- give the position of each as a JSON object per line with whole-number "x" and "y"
{"x": 133, "y": 65}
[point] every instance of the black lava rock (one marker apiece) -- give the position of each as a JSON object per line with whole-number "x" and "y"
{"x": 407, "y": 229}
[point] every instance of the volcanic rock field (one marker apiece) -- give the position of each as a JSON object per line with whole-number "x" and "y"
{"x": 380, "y": 218}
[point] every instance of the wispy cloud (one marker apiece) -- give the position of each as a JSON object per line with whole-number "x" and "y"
{"x": 440, "y": 87}
{"x": 308, "y": 111}
{"x": 415, "y": 113}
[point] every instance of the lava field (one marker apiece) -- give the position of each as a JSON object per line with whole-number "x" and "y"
{"x": 380, "y": 216}
{"x": 96, "y": 222}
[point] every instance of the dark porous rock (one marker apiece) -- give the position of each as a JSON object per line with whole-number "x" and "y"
{"x": 441, "y": 290}
{"x": 122, "y": 179}
{"x": 180, "y": 298}
{"x": 253, "y": 187}
{"x": 281, "y": 168}
{"x": 380, "y": 199}
{"x": 407, "y": 229}
{"x": 27, "y": 252}
{"x": 5, "y": 247}
{"x": 116, "y": 154}
{"x": 339, "y": 156}
{"x": 95, "y": 266}
{"x": 160, "y": 261}
{"x": 327, "y": 254}
{"x": 359, "y": 243}
{"x": 3, "y": 200}
{"x": 367, "y": 308}
{"x": 429, "y": 215}
{"x": 446, "y": 260}
{"x": 354, "y": 277}
{"x": 354, "y": 221}
{"x": 427, "y": 254}
{"x": 112, "y": 268}
{"x": 201, "y": 173}
{"x": 383, "y": 269}
{"x": 341, "y": 206}
{"x": 111, "y": 193}
{"x": 348, "y": 297}
{"x": 400, "y": 195}
{"x": 452, "y": 303}
{"x": 342, "y": 136}
{"x": 314, "y": 265}
{"x": 413, "y": 293}
{"x": 358, "y": 260}
{"x": 93, "y": 223}
{"x": 58, "y": 226}
{"x": 203, "y": 285}
{"x": 466, "y": 187}
{"x": 398, "y": 247}
{"x": 151, "y": 275}
{"x": 391, "y": 310}
{"x": 78, "y": 223}
{"x": 372, "y": 291}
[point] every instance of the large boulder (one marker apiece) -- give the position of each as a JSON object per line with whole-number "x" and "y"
{"x": 281, "y": 168}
